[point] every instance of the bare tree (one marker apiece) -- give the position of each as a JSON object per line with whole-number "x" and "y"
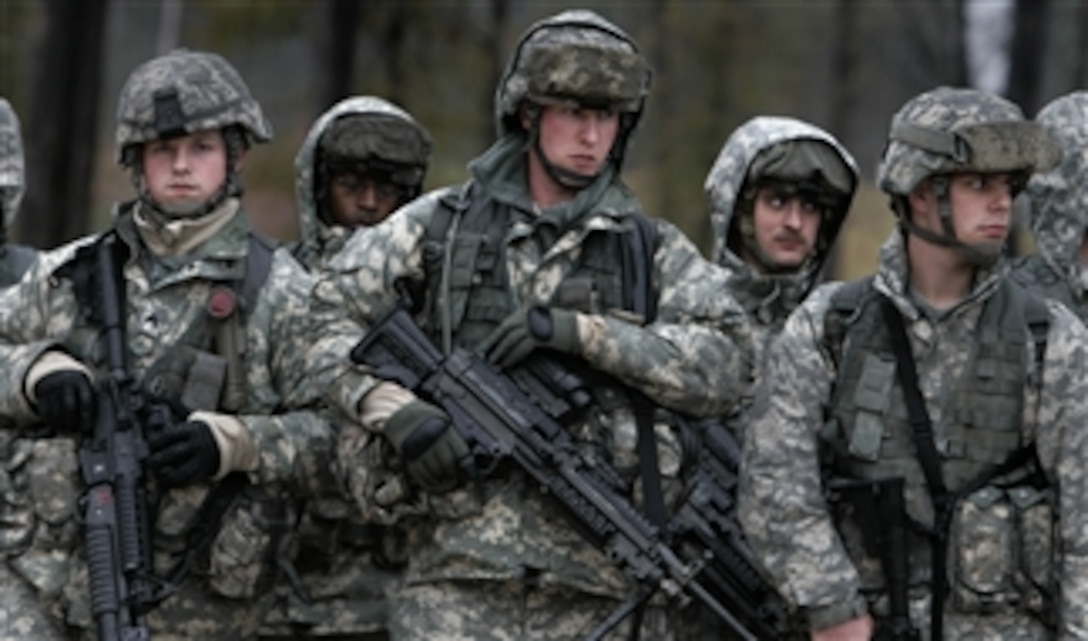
{"x": 1029, "y": 38}
{"x": 337, "y": 45}
{"x": 62, "y": 123}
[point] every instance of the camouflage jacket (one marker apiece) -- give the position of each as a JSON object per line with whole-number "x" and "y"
{"x": 782, "y": 503}
{"x": 1059, "y": 211}
{"x": 166, "y": 296}
{"x": 767, "y": 299}
{"x": 693, "y": 341}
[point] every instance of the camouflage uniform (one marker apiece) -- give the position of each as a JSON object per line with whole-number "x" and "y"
{"x": 991, "y": 382}
{"x": 768, "y": 297}
{"x": 347, "y": 563}
{"x": 14, "y": 259}
{"x": 18, "y": 616}
{"x": 167, "y": 292}
{"x": 1059, "y": 211}
{"x": 497, "y": 560}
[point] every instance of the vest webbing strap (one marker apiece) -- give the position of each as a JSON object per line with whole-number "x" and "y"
{"x": 943, "y": 501}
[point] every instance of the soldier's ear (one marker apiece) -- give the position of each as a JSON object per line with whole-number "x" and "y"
{"x": 240, "y": 161}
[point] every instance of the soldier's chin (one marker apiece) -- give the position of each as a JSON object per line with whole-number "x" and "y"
{"x": 183, "y": 207}
{"x": 986, "y": 254}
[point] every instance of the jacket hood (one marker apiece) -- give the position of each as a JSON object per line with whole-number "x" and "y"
{"x": 318, "y": 240}
{"x": 12, "y": 164}
{"x": 1059, "y": 197}
{"x": 723, "y": 185}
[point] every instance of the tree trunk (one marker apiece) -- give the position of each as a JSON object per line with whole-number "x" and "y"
{"x": 336, "y": 42}
{"x": 1025, "y": 61}
{"x": 62, "y": 123}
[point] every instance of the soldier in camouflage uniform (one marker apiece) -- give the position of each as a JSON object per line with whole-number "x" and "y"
{"x": 991, "y": 450}
{"x": 14, "y": 259}
{"x": 1059, "y": 211}
{"x": 534, "y": 229}
{"x": 778, "y": 193}
{"x": 361, "y": 159}
{"x": 217, "y": 325}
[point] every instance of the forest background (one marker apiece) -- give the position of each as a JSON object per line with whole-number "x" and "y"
{"x": 845, "y": 65}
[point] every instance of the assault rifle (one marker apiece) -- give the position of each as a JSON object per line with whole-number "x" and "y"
{"x": 706, "y": 522}
{"x": 501, "y": 422}
{"x": 881, "y": 512}
{"x": 117, "y": 525}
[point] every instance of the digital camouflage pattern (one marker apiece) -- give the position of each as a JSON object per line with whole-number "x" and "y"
{"x": 517, "y": 530}
{"x": 14, "y": 259}
{"x": 767, "y": 298}
{"x": 576, "y": 56}
{"x": 784, "y": 511}
{"x": 209, "y": 91}
{"x": 166, "y": 300}
{"x": 503, "y": 531}
{"x": 1059, "y": 210}
{"x": 12, "y": 165}
{"x": 348, "y": 559}
{"x": 319, "y": 241}
{"x": 552, "y": 613}
{"x": 953, "y": 130}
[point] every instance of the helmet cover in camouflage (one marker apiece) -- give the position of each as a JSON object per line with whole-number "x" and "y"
{"x": 184, "y": 92}
{"x": 12, "y": 165}
{"x": 387, "y": 143}
{"x": 573, "y": 57}
{"x": 950, "y": 130}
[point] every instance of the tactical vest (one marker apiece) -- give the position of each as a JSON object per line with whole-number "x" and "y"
{"x": 204, "y": 369}
{"x": 869, "y": 427}
{"x": 465, "y": 261}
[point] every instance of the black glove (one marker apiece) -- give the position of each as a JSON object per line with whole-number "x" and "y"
{"x": 66, "y": 401}
{"x": 432, "y": 450}
{"x": 525, "y": 330}
{"x": 183, "y": 454}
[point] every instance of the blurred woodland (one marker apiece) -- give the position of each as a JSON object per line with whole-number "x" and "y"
{"x": 845, "y": 65}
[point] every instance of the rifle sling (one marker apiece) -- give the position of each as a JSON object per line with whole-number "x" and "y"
{"x": 943, "y": 501}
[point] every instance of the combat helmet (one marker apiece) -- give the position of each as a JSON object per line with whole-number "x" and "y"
{"x": 380, "y": 138}
{"x": 576, "y": 57}
{"x": 949, "y": 130}
{"x": 183, "y": 92}
{"x": 12, "y": 165}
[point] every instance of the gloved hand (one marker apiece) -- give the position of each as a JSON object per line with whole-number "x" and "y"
{"x": 526, "y": 330}
{"x": 183, "y": 453}
{"x": 432, "y": 450}
{"x": 66, "y": 401}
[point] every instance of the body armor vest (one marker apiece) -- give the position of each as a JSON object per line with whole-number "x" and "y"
{"x": 474, "y": 273}
{"x": 872, "y": 435}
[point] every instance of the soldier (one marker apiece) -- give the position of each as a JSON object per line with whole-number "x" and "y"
{"x": 1059, "y": 221}
{"x": 14, "y": 259}
{"x": 361, "y": 159}
{"x": 532, "y": 238}
{"x": 916, "y": 455}
{"x": 779, "y": 192}
{"x": 216, "y": 331}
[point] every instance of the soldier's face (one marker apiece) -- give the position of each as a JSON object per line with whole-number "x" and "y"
{"x": 183, "y": 173}
{"x": 785, "y": 227}
{"x": 361, "y": 199}
{"x": 981, "y": 208}
{"x": 578, "y": 139}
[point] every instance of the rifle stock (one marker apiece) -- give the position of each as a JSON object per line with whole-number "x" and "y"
{"x": 501, "y": 421}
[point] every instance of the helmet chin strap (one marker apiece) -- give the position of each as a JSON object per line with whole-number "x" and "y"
{"x": 565, "y": 177}
{"x": 232, "y": 186}
{"x": 979, "y": 256}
